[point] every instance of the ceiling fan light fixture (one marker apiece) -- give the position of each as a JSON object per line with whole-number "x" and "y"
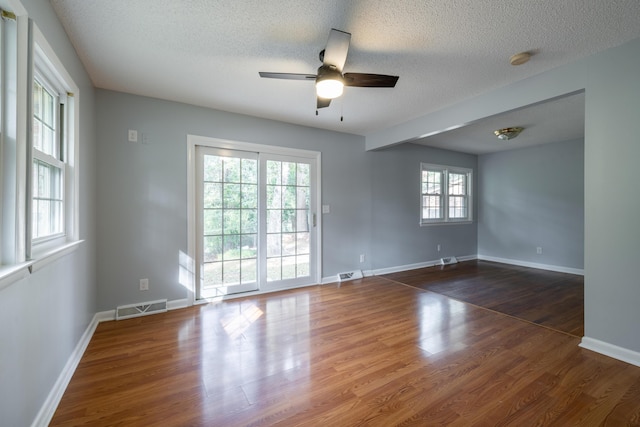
{"x": 329, "y": 84}
{"x": 506, "y": 134}
{"x": 329, "y": 88}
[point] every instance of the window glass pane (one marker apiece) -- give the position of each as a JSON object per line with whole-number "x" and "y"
{"x": 212, "y": 221}
{"x": 250, "y": 171}
{"x": 302, "y": 243}
{"x": 249, "y": 270}
{"x": 431, "y": 182}
{"x": 288, "y": 243}
{"x": 249, "y": 196}
{"x": 288, "y": 220}
{"x": 303, "y": 174}
{"x": 288, "y": 267}
{"x": 231, "y": 221}
{"x": 288, "y": 173}
{"x": 273, "y": 173}
{"x": 289, "y": 197}
{"x": 457, "y": 207}
{"x": 274, "y": 197}
{"x": 212, "y": 195}
{"x": 249, "y": 246}
{"x": 212, "y": 274}
{"x": 274, "y": 266}
{"x": 212, "y": 248}
{"x": 231, "y": 169}
{"x": 231, "y": 195}
{"x": 47, "y": 203}
{"x": 431, "y": 207}
{"x": 274, "y": 220}
{"x": 213, "y": 168}
{"x": 457, "y": 184}
{"x": 231, "y": 272}
{"x": 231, "y": 247}
{"x": 249, "y": 221}
{"x": 274, "y": 248}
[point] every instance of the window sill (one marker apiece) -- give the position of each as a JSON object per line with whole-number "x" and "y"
{"x": 44, "y": 258}
{"x": 12, "y": 273}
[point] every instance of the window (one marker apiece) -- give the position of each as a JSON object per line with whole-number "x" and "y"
{"x": 446, "y": 195}
{"x": 48, "y": 167}
{"x": 53, "y": 172}
{"x": 39, "y": 128}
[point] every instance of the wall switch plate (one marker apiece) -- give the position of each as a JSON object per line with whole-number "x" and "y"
{"x": 133, "y": 135}
{"x": 326, "y": 209}
{"x": 539, "y": 250}
{"x": 362, "y": 258}
{"x": 144, "y": 284}
{"x": 438, "y": 248}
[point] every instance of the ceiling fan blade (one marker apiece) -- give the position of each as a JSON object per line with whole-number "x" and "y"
{"x": 337, "y": 47}
{"x": 323, "y": 102}
{"x": 369, "y": 80}
{"x": 287, "y": 76}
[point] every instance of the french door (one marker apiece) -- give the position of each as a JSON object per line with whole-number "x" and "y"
{"x": 256, "y": 226}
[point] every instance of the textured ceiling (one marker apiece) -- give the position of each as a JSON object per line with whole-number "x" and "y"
{"x": 553, "y": 121}
{"x": 208, "y": 53}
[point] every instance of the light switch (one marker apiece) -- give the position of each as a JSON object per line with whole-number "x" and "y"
{"x": 133, "y": 135}
{"x": 326, "y": 209}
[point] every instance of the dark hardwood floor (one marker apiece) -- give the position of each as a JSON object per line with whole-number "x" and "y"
{"x": 370, "y": 352}
{"x": 547, "y": 298}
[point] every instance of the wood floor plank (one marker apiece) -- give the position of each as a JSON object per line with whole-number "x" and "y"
{"x": 370, "y": 352}
{"x": 547, "y": 298}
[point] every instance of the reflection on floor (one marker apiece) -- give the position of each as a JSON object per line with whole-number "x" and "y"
{"x": 368, "y": 352}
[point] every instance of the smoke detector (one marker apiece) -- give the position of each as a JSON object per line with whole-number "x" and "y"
{"x": 520, "y": 58}
{"x": 506, "y": 134}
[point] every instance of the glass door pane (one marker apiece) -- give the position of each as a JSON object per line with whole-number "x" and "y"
{"x": 289, "y": 228}
{"x": 255, "y": 222}
{"x": 229, "y": 222}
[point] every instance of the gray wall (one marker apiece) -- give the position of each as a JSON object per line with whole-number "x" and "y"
{"x": 533, "y": 197}
{"x": 143, "y": 190}
{"x": 43, "y": 316}
{"x": 397, "y": 237}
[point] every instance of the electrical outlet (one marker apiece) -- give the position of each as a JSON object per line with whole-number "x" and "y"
{"x": 133, "y": 135}
{"x": 144, "y": 284}
{"x": 438, "y": 248}
{"x": 361, "y": 257}
{"x": 539, "y": 250}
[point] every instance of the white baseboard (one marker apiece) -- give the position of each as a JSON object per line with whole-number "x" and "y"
{"x": 620, "y": 353}
{"x": 48, "y": 408}
{"x": 557, "y": 268}
{"x": 50, "y": 404}
{"x": 415, "y": 266}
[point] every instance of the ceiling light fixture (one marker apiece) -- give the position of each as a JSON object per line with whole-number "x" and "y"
{"x": 329, "y": 83}
{"x": 506, "y": 134}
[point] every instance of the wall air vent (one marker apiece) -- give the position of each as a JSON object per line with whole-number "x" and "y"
{"x": 448, "y": 260}
{"x": 141, "y": 309}
{"x": 349, "y": 275}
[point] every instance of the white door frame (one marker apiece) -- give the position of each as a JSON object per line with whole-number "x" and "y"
{"x": 189, "y": 263}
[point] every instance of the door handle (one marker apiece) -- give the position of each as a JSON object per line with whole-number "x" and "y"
{"x": 314, "y": 220}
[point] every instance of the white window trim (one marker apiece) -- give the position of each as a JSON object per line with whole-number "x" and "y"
{"x": 48, "y": 67}
{"x": 187, "y": 261}
{"x": 445, "y": 170}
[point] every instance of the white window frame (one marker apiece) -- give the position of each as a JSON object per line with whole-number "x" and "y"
{"x": 50, "y": 72}
{"x": 444, "y": 194}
